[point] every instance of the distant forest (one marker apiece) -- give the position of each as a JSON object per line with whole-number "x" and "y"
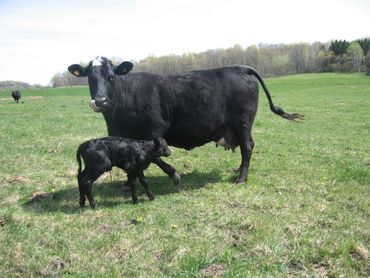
{"x": 16, "y": 85}
{"x": 268, "y": 59}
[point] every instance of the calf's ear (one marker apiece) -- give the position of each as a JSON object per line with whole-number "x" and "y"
{"x": 77, "y": 70}
{"x": 157, "y": 144}
{"x": 123, "y": 68}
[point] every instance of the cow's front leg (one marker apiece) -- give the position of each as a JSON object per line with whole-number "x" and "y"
{"x": 169, "y": 170}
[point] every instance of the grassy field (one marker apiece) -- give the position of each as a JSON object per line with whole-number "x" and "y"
{"x": 303, "y": 213}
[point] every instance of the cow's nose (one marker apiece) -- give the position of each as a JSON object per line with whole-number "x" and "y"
{"x": 100, "y": 101}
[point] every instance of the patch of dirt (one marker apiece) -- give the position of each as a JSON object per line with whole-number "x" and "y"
{"x": 296, "y": 268}
{"x": 34, "y": 97}
{"x": 259, "y": 250}
{"x": 36, "y": 196}
{"x": 29, "y": 98}
{"x": 214, "y": 270}
{"x": 238, "y": 232}
{"x": 120, "y": 251}
{"x": 19, "y": 179}
{"x": 321, "y": 271}
{"x": 58, "y": 264}
{"x": 361, "y": 252}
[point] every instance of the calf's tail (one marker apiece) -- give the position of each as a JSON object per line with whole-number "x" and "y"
{"x": 78, "y": 157}
{"x": 277, "y": 110}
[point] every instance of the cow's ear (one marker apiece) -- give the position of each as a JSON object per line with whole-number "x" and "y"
{"x": 123, "y": 68}
{"x": 77, "y": 70}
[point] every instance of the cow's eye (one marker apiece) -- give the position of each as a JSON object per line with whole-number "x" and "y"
{"x": 111, "y": 78}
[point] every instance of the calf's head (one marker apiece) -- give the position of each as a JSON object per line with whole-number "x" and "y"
{"x": 160, "y": 148}
{"x": 101, "y": 74}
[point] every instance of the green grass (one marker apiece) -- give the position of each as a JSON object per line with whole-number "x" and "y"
{"x": 303, "y": 213}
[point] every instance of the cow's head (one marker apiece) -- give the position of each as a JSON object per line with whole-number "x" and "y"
{"x": 101, "y": 74}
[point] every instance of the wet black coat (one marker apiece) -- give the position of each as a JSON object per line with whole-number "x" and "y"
{"x": 132, "y": 156}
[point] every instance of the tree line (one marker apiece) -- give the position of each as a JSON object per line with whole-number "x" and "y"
{"x": 16, "y": 85}
{"x": 268, "y": 59}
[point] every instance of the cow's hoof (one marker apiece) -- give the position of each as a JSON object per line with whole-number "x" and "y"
{"x": 135, "y": 201}
{"x": 240, "y": 180}
{"x": 176, "y": 178}
{"x": 151, "y": 197}
{"x": 93, "y": 205}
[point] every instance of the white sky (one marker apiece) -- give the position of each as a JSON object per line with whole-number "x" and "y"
{"x": 39, "y": 38}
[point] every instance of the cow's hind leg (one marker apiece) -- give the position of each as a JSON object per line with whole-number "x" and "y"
{"x": 246, "y": 148}
{"x": 145, "y": 184}
{"x": 169, "y": 170}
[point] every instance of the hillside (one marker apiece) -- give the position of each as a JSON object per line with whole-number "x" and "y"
{"x": 304, "y": 211}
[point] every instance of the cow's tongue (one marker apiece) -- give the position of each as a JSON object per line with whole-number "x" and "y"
{"x": 94, "y": 107}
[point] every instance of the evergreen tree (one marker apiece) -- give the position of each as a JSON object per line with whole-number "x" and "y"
{"x": 365, "y": 45}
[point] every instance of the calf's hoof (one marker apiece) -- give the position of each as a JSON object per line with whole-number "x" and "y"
{"x": 176, "y": 178}
{"x": 151, "y": 197}
{"x": 135, "y": 200}
{"x": 93, "y": 205}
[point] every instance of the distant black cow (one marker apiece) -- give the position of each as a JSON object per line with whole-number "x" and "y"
{"x": 133, "y": 156}
{"x": 16, "y": 95}
{"x": 187, "y": 109}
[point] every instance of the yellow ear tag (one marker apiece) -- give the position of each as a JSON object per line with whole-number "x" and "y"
{"x": 76, "y": 72}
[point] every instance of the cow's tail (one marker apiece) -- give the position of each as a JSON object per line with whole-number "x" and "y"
{"x": 277, "y": 110}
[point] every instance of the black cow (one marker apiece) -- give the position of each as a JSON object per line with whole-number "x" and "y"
{"x": 187, "y": 109}
{"x": 133, "y": 156}
{"x": 16, "y": 95}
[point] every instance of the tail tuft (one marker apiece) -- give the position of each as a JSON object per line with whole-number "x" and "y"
{"x": 277, "y": 110}
{"x": 289, "y": 116}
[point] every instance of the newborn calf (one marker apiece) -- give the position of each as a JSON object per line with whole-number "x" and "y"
{"x": 133, "y": 156}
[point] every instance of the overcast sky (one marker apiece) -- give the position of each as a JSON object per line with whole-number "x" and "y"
{"x": 40, "y": 38}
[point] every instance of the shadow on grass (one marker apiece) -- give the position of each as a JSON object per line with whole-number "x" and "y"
{"x": 111, "y": 194}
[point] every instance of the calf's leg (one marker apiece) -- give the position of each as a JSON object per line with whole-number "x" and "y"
{"x": 90, "y": 177}
{"x": 81, "y": 187}
{"x": 145, "y": 184}
{"x": 131, "y": 180}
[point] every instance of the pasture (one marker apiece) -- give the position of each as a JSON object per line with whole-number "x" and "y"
{"x": 303, "y": 212}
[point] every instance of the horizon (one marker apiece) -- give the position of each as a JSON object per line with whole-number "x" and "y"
{"x": 180, "y": 54}
{"x": 40, "y": 39}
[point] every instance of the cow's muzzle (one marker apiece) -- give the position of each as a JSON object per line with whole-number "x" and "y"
{"x": 99, "y": 105}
